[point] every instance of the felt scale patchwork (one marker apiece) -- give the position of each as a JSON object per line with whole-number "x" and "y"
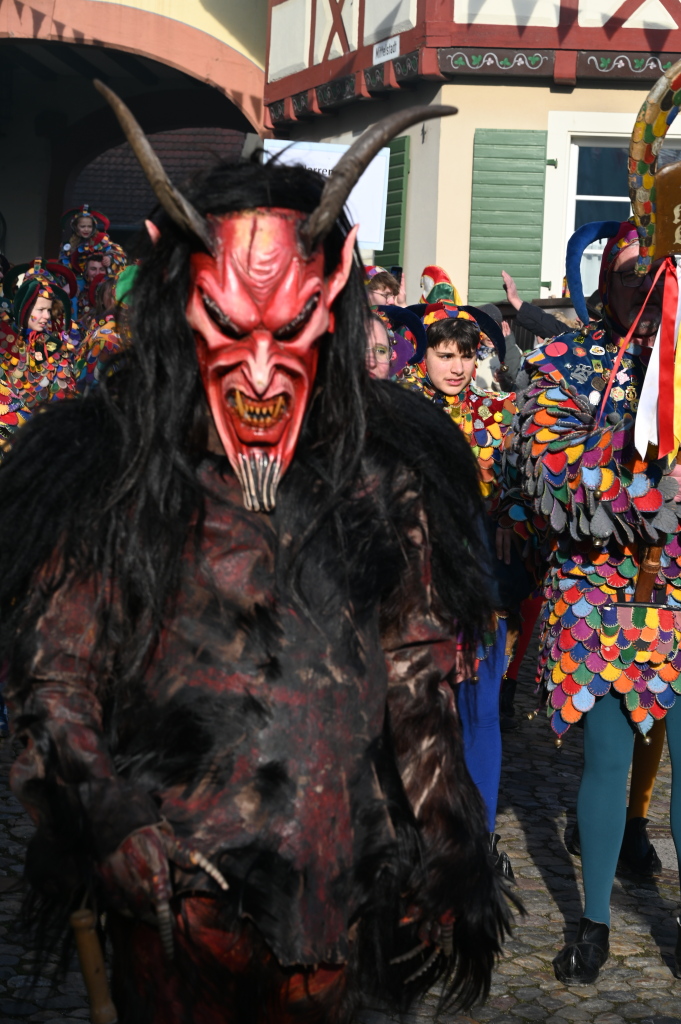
{"x": 99, "y": 346}
{"x": 591, "y": 645}
{"x": 33, "y": 368}
{"x": 580, "y": 476}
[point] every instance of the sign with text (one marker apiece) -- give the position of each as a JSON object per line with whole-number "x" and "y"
{"x": 386, "y": 50}
{"x": 367, "y": 202}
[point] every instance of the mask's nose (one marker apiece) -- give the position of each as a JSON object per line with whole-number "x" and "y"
{"x": 259, "y": 364}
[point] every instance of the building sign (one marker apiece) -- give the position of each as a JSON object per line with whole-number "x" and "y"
{"x": 367, "y": 202}
{"x": 386, "y": 50}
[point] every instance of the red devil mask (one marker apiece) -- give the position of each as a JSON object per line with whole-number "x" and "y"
{"x": 258, "y": 309}
{"x": 259, "y": 301}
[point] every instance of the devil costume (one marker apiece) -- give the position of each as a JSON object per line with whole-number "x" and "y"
{"x": 596, "y": 444}
{"x": 232, "y": 650}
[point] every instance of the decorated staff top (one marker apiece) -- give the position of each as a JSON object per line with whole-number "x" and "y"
{"x": 656, "y": 195}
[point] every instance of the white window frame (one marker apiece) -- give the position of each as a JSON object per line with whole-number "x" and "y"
{"x": 567, "y": 129}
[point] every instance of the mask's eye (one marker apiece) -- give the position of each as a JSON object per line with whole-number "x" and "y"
{"x": 221, "y": 320}
{"x": 296, "y": 325}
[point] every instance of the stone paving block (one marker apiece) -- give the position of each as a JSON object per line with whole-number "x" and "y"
{"x": 16, "y": 1007}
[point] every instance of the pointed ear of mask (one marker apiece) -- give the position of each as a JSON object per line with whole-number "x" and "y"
{"x": 338, "y": 279}
{"x": 153, "y": 231}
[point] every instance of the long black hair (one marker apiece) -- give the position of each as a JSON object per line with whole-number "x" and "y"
{"x": 108, "y": 485}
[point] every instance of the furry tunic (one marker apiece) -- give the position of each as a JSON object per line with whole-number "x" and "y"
{"x": 314, "y": 758}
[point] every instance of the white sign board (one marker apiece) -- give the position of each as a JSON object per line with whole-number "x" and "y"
{"x": 386, "y": 50}
{"x": 367, "y": 201}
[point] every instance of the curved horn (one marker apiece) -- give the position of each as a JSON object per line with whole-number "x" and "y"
{"x": 172, "y": 201}
{"x": 652, "y": 123}
{"x": 352, "y": 164}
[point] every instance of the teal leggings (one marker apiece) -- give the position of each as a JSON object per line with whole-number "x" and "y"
{"x": 602, "y": 800}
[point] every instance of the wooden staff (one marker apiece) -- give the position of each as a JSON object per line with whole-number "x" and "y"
{"x": 647, "y": 574}
{"x": 102, "y": 1009}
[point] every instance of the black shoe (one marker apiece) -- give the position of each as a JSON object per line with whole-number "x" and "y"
{"x": 500, "y": 861}
{"x": 506, "y": 697}
{"x": 638, "y": 853}
{"x": 579, "y": 962}
{"x": 677, "y": 951}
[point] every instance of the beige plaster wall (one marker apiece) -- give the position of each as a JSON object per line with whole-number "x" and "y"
{"x": 240, "y": 24}
{"x": 424, "y": 187}
{"x": 499, "y": 106}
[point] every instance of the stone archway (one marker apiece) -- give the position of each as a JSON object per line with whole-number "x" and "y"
{"x": 164, "y": 39}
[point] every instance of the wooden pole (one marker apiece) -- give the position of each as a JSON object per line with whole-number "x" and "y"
{"x": 102, "y": 1009}
{"x": 650, "y": 565}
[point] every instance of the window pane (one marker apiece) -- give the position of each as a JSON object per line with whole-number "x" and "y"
{"x": 593, "y": 209}
{"x": 590, "y": 269}
{"x": 602, "y": 171}
{"x": 669, "y": 154}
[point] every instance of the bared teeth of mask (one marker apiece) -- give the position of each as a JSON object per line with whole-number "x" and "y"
{"x": 239, "y": 402}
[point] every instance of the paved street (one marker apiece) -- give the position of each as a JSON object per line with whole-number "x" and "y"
{"x": 537, "y": 803}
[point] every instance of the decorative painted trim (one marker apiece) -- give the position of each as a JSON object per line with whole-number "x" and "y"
{"x": 373, "y": 78}
{"x": 407, "y": 66}
{"x": 456, "y": 61}
{"x": 277, "y": 112}
{"x": 301, "y": 103}
{"x": 331, "y": 94}
{"x": 624, "y": 65}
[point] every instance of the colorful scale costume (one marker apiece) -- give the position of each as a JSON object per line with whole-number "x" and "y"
{"x": 35, "y": 366}
{"x": 484, "y": 417}
{"x": 99, "y": 346}
{"x": 602, "y": 502}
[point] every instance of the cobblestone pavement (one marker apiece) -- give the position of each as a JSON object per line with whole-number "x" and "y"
{"x": 538, "y": 795}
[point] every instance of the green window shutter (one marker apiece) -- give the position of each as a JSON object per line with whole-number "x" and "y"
{"x": 507, "y": 215}
{"x": 396, "y": 209}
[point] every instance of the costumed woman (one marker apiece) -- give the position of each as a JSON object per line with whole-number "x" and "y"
{"x": 35, "y": 352}
{"x": 597, "y": 441}
{"x": 239, "y": 623}
{"x": 406, "y": 338}
{"x": 445, "y": 377}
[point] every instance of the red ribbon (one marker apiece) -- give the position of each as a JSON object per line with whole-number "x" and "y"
{"x": 665, "y": 401}
{"x": 624, "y": 342}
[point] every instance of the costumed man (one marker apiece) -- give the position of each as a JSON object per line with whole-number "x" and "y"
{"x": 597, "y": 438}
{"x": 445, "y": 377}
{"x": 382, "y": 288}
{"x": 232, "y": 643}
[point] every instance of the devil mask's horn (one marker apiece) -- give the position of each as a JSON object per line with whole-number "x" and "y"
{"x": 343, "y": 179}
{"x": 172, "y": 200}
{"x": 352, "y": 165}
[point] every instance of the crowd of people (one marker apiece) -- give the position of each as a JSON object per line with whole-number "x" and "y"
{"x": 286, "y": 546}
{"x": 58, "y": 323}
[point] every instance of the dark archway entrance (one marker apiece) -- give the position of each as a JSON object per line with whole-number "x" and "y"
{"x": 55, "y": 125}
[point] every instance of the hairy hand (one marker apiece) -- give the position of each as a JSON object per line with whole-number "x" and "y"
{"x": 137, "y": 874}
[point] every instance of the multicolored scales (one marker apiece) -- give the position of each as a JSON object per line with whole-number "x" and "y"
{"x": 485, "y": 417}
{"x": 604, "y": 505}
